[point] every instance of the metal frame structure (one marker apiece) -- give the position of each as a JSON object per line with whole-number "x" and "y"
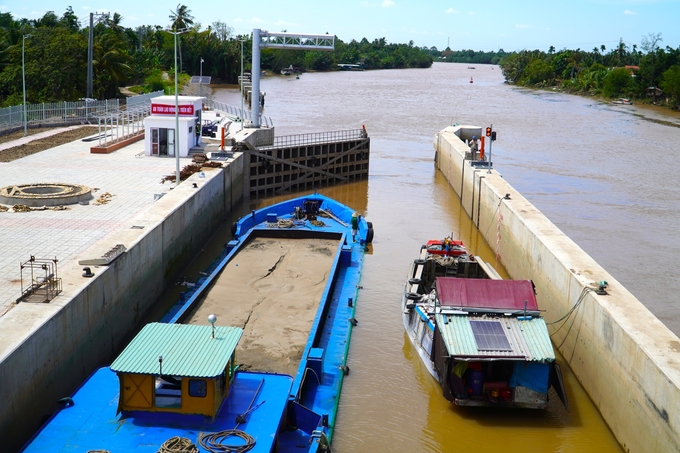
{"x": 306, "y": 161}
{"x": 263, "y": 39}
{"x": 123, "y": 124}
{"x": 41, "y": 289}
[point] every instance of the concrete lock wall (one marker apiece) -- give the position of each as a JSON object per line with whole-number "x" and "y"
{"x": 55, "y": 346}
{"x": 625, "y": 358}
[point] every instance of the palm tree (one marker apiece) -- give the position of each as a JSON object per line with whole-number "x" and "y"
{"x": 112, "y": 64}
{"x": 621, "y": 51}
{"x": 603, "y": 48}
{"x": 181, "y": 19}
{"x": 114, "y": 24}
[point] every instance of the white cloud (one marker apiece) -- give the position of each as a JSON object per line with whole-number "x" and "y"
{"x": 523, "y": 26}
{"x": 387, "y": 4}
{"x": 630, "y": 13}
{"x": 255, "y": 20}
{"x": 452, "y": 11}
{"x": 283, "y": 23}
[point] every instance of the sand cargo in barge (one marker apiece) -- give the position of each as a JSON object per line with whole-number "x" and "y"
{"x": 253, "y": 356}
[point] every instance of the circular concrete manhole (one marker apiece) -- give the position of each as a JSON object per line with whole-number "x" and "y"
{"x": 44, "y": 194}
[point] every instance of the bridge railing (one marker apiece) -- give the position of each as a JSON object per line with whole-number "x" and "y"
{"x": 290, "y": 141}
{"x": 236, "y": 112}
{"x": 142, "y": 99}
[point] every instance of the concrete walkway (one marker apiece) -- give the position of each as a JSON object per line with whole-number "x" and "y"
{"x": 132, "y": 181}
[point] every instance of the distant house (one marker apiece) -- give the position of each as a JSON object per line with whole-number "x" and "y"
{"x": 654, "y": 93}
{"x": 632, "y": 69}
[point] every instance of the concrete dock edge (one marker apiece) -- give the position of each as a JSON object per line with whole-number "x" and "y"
{"x": 50, "y": 349}
{"x": 624, "y": 357}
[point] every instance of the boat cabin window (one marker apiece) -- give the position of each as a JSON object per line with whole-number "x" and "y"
{"x": 198, "y": 388}
{"x": 168, "y": 391}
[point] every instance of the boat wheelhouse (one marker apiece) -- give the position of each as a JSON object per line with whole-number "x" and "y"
{"x": 172, "y": 380}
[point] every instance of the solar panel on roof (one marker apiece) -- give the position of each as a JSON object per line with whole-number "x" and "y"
{"x": 490, "y": 336}
{"x": 205, "y": 80}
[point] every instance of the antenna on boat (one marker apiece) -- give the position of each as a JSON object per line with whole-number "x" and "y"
{"x": 525, "y": 317}
{"x": 211, "y": 320}
{"x": 160, "y": 365}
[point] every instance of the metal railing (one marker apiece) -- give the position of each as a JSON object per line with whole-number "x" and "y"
{"x": 142, "y": 99}
{"x": 55, "y": 113}
{"x": 289, "y": 141}
{"x": 122, "y": 124}
{"x": 236, "y": 112}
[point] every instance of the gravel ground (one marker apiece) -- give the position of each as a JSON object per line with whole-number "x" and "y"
{"x": 42, "y": 144}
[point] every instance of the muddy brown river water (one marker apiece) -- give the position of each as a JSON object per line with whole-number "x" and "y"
{"x": 604, "y": 174}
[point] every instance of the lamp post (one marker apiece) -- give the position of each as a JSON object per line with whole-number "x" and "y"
{"x": 23, "y": 77}
{"x": 200, "y": 81}
{"x": 90, "y": 46}
{"x": 176, "y": 144}
{"x": 242, "y": 120}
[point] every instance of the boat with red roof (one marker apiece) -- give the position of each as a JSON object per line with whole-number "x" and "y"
{"x": 481, "y": 337}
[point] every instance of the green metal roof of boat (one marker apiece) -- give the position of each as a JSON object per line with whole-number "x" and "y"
{"x": 186, "y": 350}
{"x": 526, "y": 338}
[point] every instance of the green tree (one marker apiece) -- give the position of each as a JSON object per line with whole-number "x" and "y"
{"x": 617, "y": 82}
{"x": 538, "y": 72}
{"x": 181, "y": 19}
{"x": 670, "y": 84}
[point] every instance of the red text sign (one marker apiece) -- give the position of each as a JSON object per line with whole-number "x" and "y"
{"x": 162, "y": 109}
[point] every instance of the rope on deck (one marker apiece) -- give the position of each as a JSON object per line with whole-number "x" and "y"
{"x": 178, "y": 445}
{"x": 213, "y": 442}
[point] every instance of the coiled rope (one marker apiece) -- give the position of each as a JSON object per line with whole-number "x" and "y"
{"x": 178, "y": 445}
{"x": 213, "y": 442}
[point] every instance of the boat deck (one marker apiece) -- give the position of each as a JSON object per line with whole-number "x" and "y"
{"x": 272, "y": 289}
{"x": 92, "y": 424}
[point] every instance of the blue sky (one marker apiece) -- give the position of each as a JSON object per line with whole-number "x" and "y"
{"x": 477, "y": 25}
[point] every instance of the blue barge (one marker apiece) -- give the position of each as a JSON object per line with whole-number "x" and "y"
{"x": 214, "y": 383}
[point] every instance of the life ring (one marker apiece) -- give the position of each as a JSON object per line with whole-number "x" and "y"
{"x": 415, "y": 281}
{"x": 234, "y": 226}
{"x": 413, "y": 296}
{"x": 420, "y": 262}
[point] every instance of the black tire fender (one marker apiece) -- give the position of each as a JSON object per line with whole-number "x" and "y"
{"x": 369, "y": 235}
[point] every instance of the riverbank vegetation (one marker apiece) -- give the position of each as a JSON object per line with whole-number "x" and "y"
{"x": 467, "y": 56}
{"x": 55, "y": 49}
{"x": 650, "y": 73}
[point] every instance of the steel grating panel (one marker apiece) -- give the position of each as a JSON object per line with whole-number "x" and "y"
{"x": 187, "y": 350}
